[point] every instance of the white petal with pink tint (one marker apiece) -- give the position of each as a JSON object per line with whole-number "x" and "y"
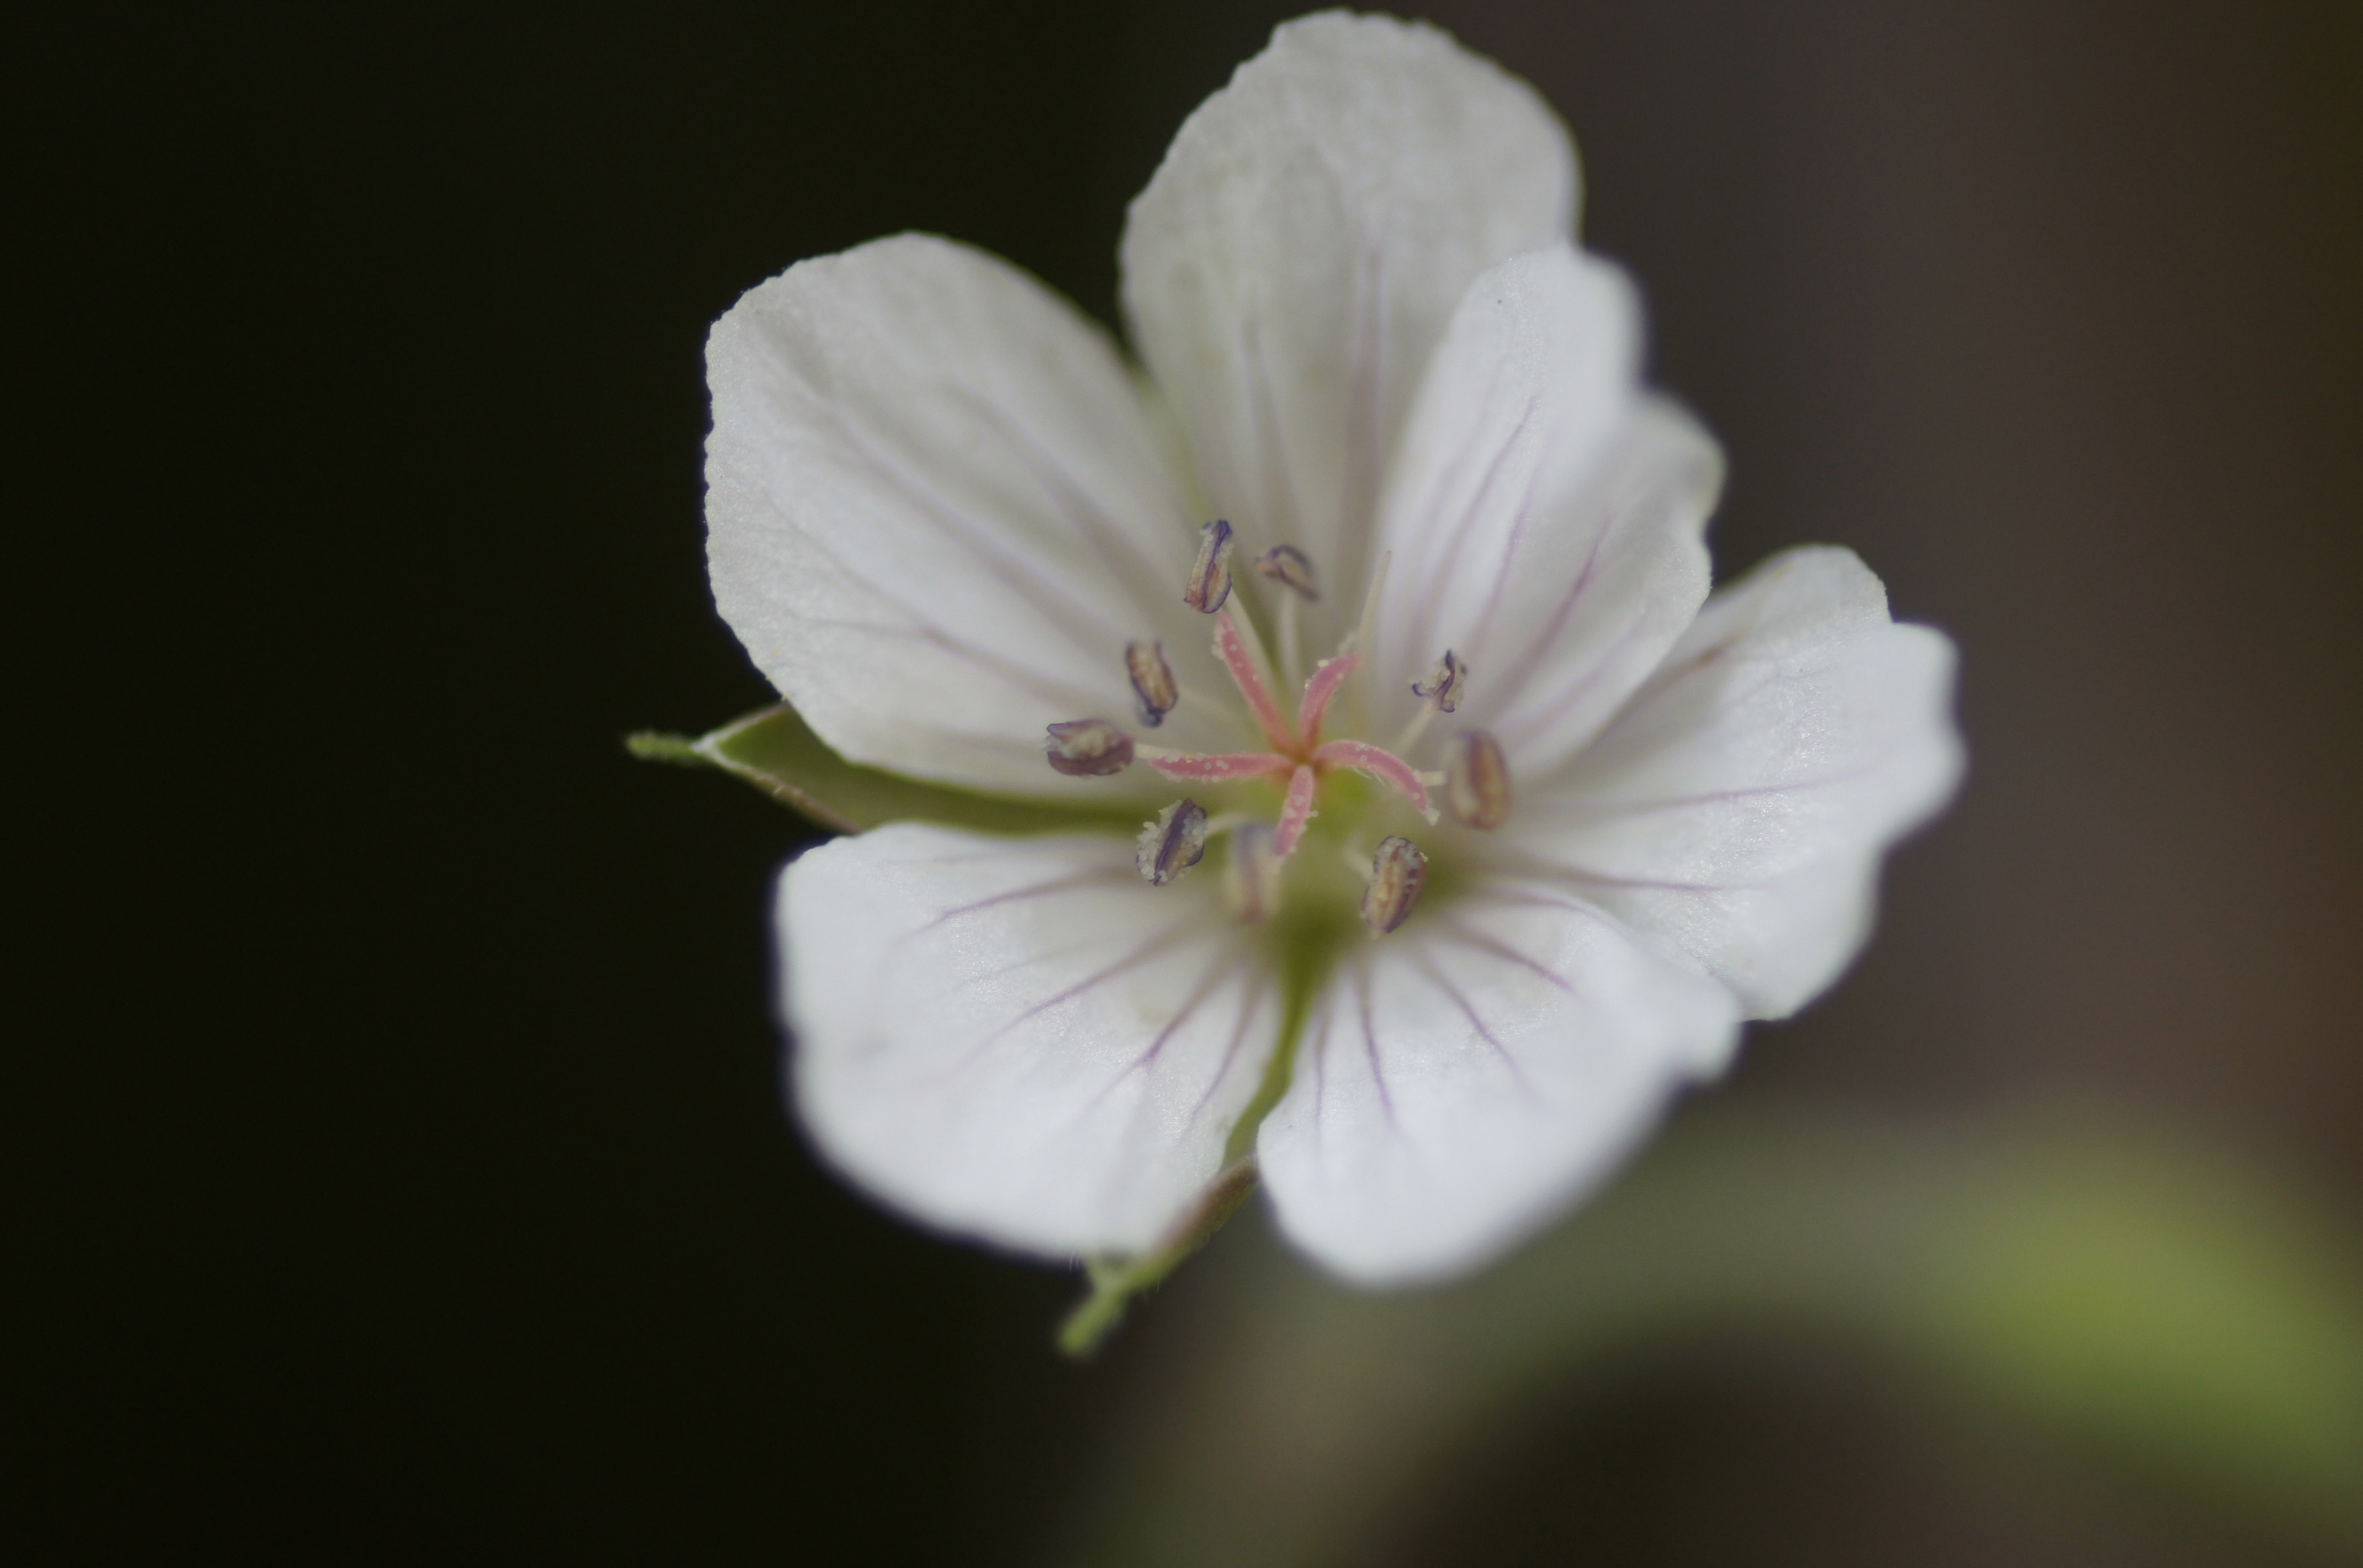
{"x": 1740, "y": 803}
{"x": 1292, "y": 266}
{"x": 1545, "y": 516}
{"x": 936, "y": 514}
{"x": 1467, "y": 1078}
{"x": 1018, "y": 1039}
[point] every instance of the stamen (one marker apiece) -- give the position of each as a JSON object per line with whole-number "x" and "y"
{"x": 1293, "y": 569}
{"x": 1444, "y": 683}
{"x": 1088, "y": 748}
{"x": 1173, "y": 844}
{"x": 1477, "y": 783}
{"x": 1319, "y": 691}
{"x": 1292, "y": 642}
{"x": 1408, "y": 737}
{"x": 1217, "y": 765}
{"x": 1398, "y": 872}
{"x": 1383, "y": 766}
{"x": 1251, "y": 876}
{"x": 1442, "y": 690}
{"x": 1294, "y": 812}
{"x": 1364, "y": 629}
{"x": 1210, "y": 575}
{"x": 1287, "y": 564}
{"x": 1152, "y": 680}
{"x": 1232, "y": 649}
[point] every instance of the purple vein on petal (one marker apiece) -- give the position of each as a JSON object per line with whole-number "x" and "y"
{"x": 1033, "y": 958}
{"x": 1529, "y": 899}
{"x": 1585, "y": 806}
{"x": 1132, "y": 960}
{"x": 1031, "y": 682}
{"x": 1281, "y": 519}
{"x": 1027, "y": 585}
{"x": 1364, "y": 438}
{"x": 1515, "y": 676}
{"x": 1218, "y": 969}
{"x": 1535, "y": 713}
{"x": 1250, "y": 998}
{"x": 1591, "y": 878}
{"x": 1670, "y": 675}
{"x": 1423, "y": 628}
{"x": 1771, "y": 674}
{"x": 1117, "y": 550}
{"x": 1484, "y": 942}
{"x": 1321, "y": 1065}
{"x": 1370, "y": 1041}
{"x": 1467, "y": 1010}
{"x": 1113, "y": 875}
{"x": 1480, "y": 648}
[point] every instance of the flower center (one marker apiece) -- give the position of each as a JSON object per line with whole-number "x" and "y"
{"x": 1312, "y": 776}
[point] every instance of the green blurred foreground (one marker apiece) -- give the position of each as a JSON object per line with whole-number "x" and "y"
{"x": 2128, "y": 1298}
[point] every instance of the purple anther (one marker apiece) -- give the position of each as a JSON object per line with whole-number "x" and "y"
{"x": 1173, "y": 842}
{"x": 1152, "y": 680}
{"x": 1251, "y": 879}
{"x": 1477, "y": 781}
{"x": 1088, "y": 748}
{"x": 1210, "y": 574}
{"x": 1287, "y": 564}
{"x": 1397, "y": 874}
{"x": 1444, "y": 683}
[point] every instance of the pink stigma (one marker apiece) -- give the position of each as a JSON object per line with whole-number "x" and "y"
{"x": 1325, "y": 685}
{"x": 1380, "y": 763}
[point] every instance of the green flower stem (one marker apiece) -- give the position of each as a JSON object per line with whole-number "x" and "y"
{"x": 1114, "y": 1282}
{"x": 1302, "y": 953}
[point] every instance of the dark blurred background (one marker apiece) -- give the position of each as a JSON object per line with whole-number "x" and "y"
{"x": 420, "y": 1183}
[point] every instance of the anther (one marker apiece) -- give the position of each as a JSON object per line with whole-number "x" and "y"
{"x": 1088, "y": 748}
{"x": 1251, "y": 879}
{"x": 1152, "y": 680}
{"x": 1173, "y": 842}
{"x": 1287, "y": 564}
{"x": 1477, "y": 781}
{"x": 1444, "y": 683}
{"x": 1397, "y": 874}
{"x": 1210, "y": 574}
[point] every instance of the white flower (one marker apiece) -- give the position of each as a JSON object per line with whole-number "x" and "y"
{"x": 946, "y": 516}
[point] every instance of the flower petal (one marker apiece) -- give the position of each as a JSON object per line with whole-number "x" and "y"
{"x": 936, "y": 512}
{"x": 1739, "y": 804}
{"x": 1546, "y": 519}
{"x": 1465, "y": 1079}
{"x": 1292, "y": 266}
{"x": 1018, "y": 1039}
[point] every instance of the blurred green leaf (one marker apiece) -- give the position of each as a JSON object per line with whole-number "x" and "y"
{"x": 774, "y": 750}
{"x": 2167, "y": 1311}
{"x": 2128, "y": 1297}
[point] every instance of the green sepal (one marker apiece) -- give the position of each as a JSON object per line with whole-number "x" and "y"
{"x": 777, "y": 751}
